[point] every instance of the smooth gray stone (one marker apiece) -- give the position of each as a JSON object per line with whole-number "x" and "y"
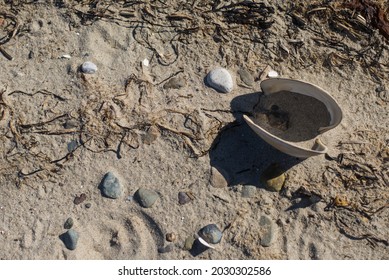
{"x": 110, "y": 186}
{"x": 220, "y": 79}
{"x": 146, "y": 198}
{"x": 211, "y": 233}
{"x": 70, "y": 239}
{"x": 89, "y": 68}
{"x": 267, "y": 231}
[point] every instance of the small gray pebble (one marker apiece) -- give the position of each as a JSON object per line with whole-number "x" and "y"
{"x": 220, "y": 79}
{"x": 68, "y": 224}
{"x": 248, "y": 191}
{"x": 183, "y": 198}
{"x": 166, "y": 249}
{"x": 89, "y": 68}
{"x": 88, "y": 205}
{"x": 246, "y": 77}
{"x": 145, "y": 197}
{"x": 110, "y": 186}
{"x": 267, "y": 231}
{"x": 70, "y": 239}
{"x": 211, "y": 233}
{"x": 72, "y": 145}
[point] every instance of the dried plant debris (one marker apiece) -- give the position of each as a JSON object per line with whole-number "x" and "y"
{"x": 360, "y": 173}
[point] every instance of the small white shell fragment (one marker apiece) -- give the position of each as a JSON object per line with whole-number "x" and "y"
{"x": 272, "y": 74}
{"x": 205, "y": 243}
{"x": 88, "y": 67}
{"x": 67, "y": 56}
{"x": 145, "y": 62}
{"x": 220, "y": 79}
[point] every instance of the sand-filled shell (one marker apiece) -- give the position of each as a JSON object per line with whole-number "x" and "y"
{"x": 301, "y": 112}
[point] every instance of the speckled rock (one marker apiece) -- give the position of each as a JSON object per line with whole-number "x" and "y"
{"x": 171, "y": 237}
{"x": 89, "y": 68}
{"x": 146, "y": 198}
{"x": 211, "y": 234}
{"x": 70, "y": 239}
{"x": 110, "y": 186}
{"x": 220, "y": 79}
{"x": 68, "y": 223}
{"x": 267, "y": 230}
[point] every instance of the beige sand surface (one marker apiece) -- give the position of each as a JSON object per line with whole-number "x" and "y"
{"x": 125, "y": 120}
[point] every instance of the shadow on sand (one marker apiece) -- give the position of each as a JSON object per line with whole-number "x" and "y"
{"x": 240, "y": 154}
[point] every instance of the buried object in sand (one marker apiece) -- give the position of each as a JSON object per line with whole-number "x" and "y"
{"x": 292, "y": 114}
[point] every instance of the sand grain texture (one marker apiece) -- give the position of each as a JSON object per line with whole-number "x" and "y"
{"x": 167, "y": 139}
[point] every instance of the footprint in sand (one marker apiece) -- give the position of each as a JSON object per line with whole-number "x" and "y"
{"x": 132, "y": 236}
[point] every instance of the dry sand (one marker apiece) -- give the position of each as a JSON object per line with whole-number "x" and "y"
{"x": 123, "y": 119}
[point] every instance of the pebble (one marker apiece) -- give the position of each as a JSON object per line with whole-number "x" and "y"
{"x": 211, "y": 234}
{"x": 171, "y": 237}
{"x": 267, "y": 231}
{"x": 89, "y": 68}
{"x": 70, "y": 239}
{"x": 166, "y": 249}
{"x": 174, "y": 83}
{"x": 72, "y": 145}
{"x": 183, "y": 198}
{"x": 217, "y": 179}
{"x": 246, "y": 77}
{"x": 69, "y": 223}
{"x": 110, "y": 186}
{"x": 88, "y": 205}
{"x": 145, "y": 197}
{"x": 272, "y": 74}
{"x": 248, "y": 191}
{"x": 273, "y": 178}
{"x": 189, "y": 243}
{"x": 79, "y": 199}
{"x": 220, "y": 79}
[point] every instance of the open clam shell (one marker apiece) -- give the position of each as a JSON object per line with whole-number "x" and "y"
{"x": 278, "y": 85}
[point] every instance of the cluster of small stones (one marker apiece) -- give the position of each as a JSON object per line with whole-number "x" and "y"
{"x": 221, "y": 80}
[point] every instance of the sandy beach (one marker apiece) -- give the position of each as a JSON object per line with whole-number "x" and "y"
{"x": 148, "y": 115}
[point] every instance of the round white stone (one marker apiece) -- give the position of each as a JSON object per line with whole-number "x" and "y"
{"x": 272, "y": 74}
{"x": 89, "y": 67}
{"x": 220, "y": 79}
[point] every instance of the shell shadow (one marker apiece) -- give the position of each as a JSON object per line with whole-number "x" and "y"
{"x": 241, "y": 155}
